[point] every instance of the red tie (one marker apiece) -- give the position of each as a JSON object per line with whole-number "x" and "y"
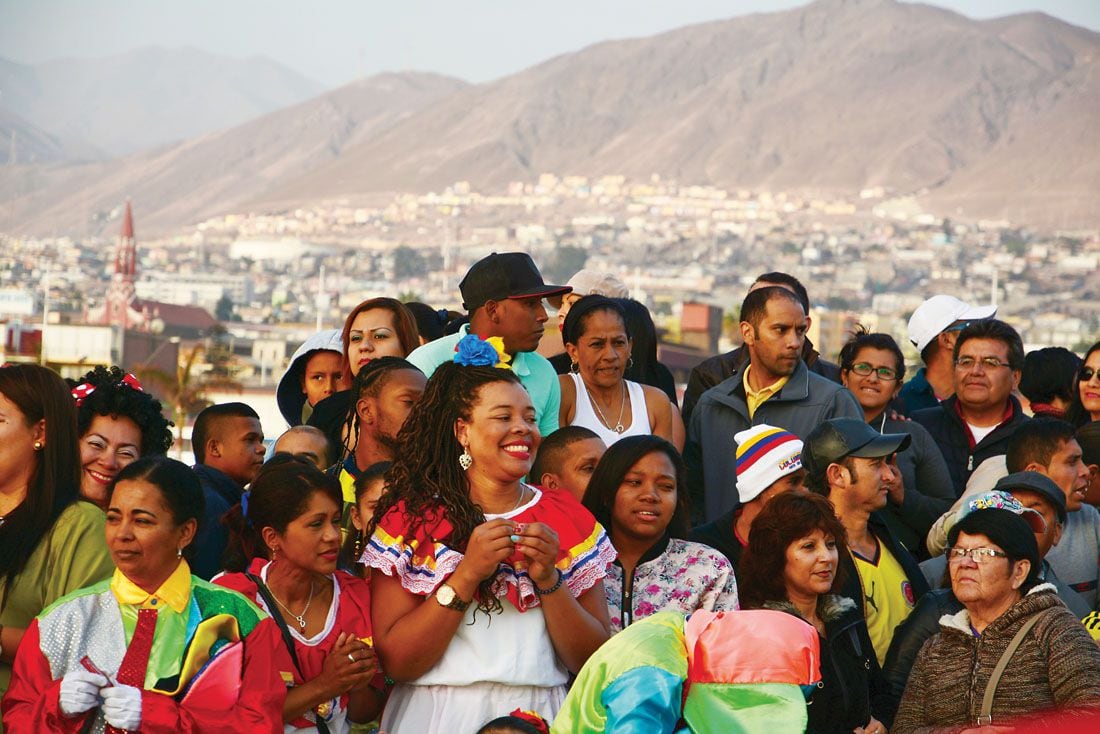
{"x": 136, "y": 660}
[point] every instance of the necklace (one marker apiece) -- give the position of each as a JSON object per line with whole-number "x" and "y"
{"x": 299, "y": 618}
{"x": 619, "y": 427}
{"x": 522, "y": 494}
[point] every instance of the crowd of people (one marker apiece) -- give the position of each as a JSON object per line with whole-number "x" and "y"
{"x": 457, "y": 534}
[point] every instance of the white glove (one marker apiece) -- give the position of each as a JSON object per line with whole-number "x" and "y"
{"x": 79, "y": 691}
{"x": 122, "y": 706}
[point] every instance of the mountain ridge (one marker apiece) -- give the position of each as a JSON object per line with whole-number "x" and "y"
{"x": 978, "y": 118}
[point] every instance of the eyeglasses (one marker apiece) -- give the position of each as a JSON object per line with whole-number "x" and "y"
{"x": 1086, "y": 374}
{"x": 978, "y": 555}
{"x": 966, "y": 364}
{"x": 884, "y": 373}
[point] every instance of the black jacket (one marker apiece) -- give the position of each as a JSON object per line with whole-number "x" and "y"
{"x": 710, "y": 372}
{"x": 909, "y": 637}
{"x": 951, "y": 434}
{"x": 852, "y": 687}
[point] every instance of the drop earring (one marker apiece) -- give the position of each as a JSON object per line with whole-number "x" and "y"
{"x": 274, "y": 554}
{"x": 179, "y": 552}
{"x": 465, "y": 460}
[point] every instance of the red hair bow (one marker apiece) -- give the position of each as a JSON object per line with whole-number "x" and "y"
{"x": 84, "y": 389}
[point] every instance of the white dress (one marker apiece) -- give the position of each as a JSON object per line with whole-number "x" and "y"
{"x": 584, "y": 413}
{"x": 495, "y": 663}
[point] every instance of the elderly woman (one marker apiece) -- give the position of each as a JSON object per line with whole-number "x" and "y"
{"x": 872, "y": 368}
{"x": 596, "y": 394}
{"x": 638, "y": 493}
{"x": 118, "y": 423}
{"x": 486, "y": 592}
{"x": 153, "y": 649}
{"x": 51, "y": 543}
{"x": 792, "y": 565}
{"x": 1010, "y": 626}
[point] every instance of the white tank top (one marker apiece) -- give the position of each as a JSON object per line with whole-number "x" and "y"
{"x": 585, "y": 413}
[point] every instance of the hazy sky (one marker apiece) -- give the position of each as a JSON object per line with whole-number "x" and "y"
{"x": 334, "y": 41}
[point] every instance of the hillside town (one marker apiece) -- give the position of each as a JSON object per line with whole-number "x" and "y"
{"x": 270, "y": 279}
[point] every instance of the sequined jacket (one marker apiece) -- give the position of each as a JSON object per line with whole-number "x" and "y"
{"x": 89, "y": 623}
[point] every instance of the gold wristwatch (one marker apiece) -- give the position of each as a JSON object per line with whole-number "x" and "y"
{"x": 448, "y": 597}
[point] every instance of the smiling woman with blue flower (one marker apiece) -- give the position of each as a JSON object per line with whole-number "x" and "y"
{"x": 491, "y": 590}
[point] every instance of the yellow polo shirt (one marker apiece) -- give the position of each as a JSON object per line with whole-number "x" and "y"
{"x": 756, "y": 398}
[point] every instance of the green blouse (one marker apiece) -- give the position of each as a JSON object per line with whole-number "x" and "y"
{"x": 73, "y": 554}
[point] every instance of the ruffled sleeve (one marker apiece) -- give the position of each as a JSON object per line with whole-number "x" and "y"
{"x": 422, "y": 560}
{"x": 419, "y": 558}
{"x": 584, "y": 552}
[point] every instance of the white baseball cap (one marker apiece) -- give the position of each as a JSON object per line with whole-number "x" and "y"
{"x": 937, "y": 313}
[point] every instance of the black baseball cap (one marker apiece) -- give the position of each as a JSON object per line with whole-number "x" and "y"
{"x": 1041, "y": 484}
{"x": 840, "y": 437}
{"x": 504, "y": 275}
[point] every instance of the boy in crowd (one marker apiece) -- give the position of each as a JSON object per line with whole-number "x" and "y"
{"x": 566, "y": 460}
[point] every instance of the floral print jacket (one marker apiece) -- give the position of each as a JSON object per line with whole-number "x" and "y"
{"x": 673, "y": 575}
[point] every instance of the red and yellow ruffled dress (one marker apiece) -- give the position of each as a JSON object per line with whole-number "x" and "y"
{"x": 494, "y": 664}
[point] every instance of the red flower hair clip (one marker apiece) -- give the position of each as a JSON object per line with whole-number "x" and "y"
{"x": 84, "y": 389}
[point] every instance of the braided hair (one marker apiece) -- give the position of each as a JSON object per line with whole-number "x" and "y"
{"x": 426, "y": 475}
{"x": 368, "y": 384}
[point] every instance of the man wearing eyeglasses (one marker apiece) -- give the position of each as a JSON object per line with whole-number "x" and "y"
{"x": 933, "y": 329}
{"x": 976, "y": 423}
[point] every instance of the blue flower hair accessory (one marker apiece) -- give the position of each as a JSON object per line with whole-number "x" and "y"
{"x": 473, "y": 351}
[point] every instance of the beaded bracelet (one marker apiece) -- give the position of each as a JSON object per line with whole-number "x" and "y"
{"x": 552, "y": 589}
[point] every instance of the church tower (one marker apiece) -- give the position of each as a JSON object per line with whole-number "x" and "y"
{"x": 121, "y": 292}
{"x": 120, "y": 307}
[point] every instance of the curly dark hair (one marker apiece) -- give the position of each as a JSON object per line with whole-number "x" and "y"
{"x": 785, "y": 519}
{"x": 426, "y": 475}
{"x": 115, "y": 398}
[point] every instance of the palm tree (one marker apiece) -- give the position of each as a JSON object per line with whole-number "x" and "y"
{"x": 184, "y": 392}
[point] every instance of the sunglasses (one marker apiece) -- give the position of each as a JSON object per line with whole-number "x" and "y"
{"x": 1086, "y": 374}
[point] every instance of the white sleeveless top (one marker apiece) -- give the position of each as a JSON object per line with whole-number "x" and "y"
{"x": 585, "y": 413}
